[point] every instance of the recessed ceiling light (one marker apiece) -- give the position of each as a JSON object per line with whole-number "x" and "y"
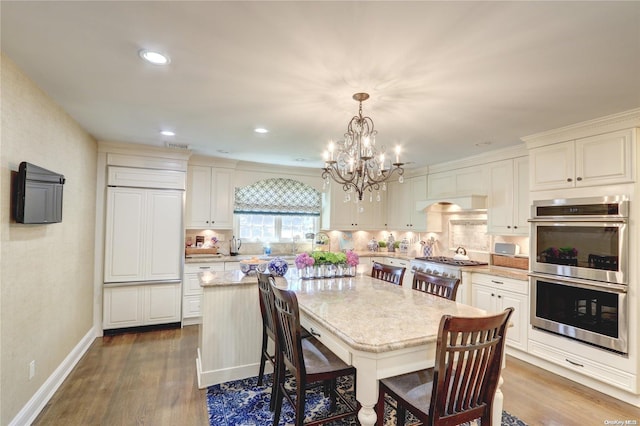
{"x": 167, "y": 133}
{"x": 260, "y": 130}
{"x": 152, "y": 57}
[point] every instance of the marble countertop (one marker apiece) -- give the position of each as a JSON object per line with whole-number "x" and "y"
{"x": 368, "y": 314}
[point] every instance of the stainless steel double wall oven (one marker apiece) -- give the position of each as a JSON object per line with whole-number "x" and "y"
{"x": 579, "y": 269}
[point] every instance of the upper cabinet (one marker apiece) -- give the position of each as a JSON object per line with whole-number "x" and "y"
{"x": 596, "y": 160}
{"x": 338, "y": 214}
{"x": 453, "y": 183}
{"x": 209, "y": 198}
{"x": 402, "y": 214}
{"x": 508, "y": 204}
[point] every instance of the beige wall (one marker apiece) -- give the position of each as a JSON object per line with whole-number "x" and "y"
{"x": 46, "y": 275}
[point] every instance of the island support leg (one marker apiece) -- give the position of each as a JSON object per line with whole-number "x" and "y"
{"x": 498, "y": 404}
{"x": 366, "y": 390}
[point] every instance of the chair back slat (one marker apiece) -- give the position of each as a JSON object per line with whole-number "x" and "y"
{"x": 468, "y": 361}
{"x": 389, "y": 273}
{"x": 445, "y": 287}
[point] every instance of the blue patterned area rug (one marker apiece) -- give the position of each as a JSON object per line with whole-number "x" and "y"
{"x": 244, "y": 403}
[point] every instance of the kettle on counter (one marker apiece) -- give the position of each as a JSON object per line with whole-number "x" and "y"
{"x": 234, "y": 247}
{"x": 461, "y": 254}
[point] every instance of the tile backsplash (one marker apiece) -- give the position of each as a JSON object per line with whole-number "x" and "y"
{"x": 468, "y": 230}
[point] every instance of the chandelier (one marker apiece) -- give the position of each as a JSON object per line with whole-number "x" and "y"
{"x": 355, "y": 162}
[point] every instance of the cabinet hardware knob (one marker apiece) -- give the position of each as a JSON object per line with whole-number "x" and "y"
{"x": 499, "y": 297}
{"x": 569, "y": 180}
{"x": 508, "y": 226}
{"x": 515, "y": 227}
{"x": 497, "y": 282}
{"x": 493, "y": 294}
{"x": 578, "y": 178}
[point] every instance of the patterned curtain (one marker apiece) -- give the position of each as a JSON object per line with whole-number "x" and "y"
{"x": 277, "y": 196}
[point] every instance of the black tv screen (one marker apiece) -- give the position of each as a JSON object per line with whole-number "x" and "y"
{"x": 37, "y": 195}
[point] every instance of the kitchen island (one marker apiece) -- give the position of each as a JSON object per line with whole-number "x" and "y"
{"x": 380, "y": 328}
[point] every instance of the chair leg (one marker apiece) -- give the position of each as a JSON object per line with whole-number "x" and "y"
{"x": 276, "y": 399}
{"x": 380, "y": 408}
{"x": 300, "y": 401}
{"x": 275, "y": 382}
{"x": 401, "y": 414}
{"x": 263, "y": 358}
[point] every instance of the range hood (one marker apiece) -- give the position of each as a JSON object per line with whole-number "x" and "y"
{"x": 452, "y": 204}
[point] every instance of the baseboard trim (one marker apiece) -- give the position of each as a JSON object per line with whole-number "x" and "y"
{"x": 30, "y": 411}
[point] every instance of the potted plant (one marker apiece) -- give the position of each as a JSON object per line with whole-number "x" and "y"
{"x": 382, "y": 245}
{"x": 320, "y": 262}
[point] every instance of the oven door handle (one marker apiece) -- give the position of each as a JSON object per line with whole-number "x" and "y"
{"x": 577, "y": 282}
{"x": 585, "y": 219}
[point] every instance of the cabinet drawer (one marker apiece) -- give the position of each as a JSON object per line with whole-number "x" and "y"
{"x": 502, "y": 283}
{"x": 191, "y": 268}
{"x": 584, "y": 366}
{"x": 327, "y": 339}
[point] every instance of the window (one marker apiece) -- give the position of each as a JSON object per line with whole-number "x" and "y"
{"x": 263, "y": 227}
{"x": 276, "y": 210}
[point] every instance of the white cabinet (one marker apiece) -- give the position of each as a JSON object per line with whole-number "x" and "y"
{"x": 597, "y": 160}
{"x": 453, "y": 183}
{"x": 407, "y": 280}
{"x": 495, "y": 294}
{"x": 508, "y": 204}
{"x": 192, "y": 291}
{"x": 401, "y": 205}
{"x": 138, "y": 305}
{"x": 209, "y": 198}
{"x": 143, "y": 235}
{"x": 338, "y": 214}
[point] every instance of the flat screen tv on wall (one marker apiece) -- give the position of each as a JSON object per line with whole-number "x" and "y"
{"x": 37, "y": 195}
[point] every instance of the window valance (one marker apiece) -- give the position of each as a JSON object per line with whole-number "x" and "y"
{"x": 277, "y": 196}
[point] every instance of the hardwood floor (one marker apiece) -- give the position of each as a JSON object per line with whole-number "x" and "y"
{"x": 149, "y": 379}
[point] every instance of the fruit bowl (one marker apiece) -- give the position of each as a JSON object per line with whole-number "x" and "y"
{"x": 248, "y": 266}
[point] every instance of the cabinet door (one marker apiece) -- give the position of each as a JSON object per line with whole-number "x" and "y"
{"x": 123, "y": 307}
{"x": 398, "y": 205}
{"x": 604, "y": 159}
{"x": 521, "y": 204}
{"x": 418, "y": 192}
{"x": 221, "y": 199}
{"x": 124, "y": 235}
{"x": 338, "y": 213}
{"x": 484, "y": 298}
{"x": 198, "y": 197}
{"x": 441, "y": 184}
{"x": 161, "y": 303}
{"x": 500, "y": 212}
{"x": 552, "y": 167}
{"x": 517, "y": 333}
{"x": 163, "y": 241}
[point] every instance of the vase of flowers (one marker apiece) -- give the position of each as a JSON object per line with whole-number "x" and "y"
{"x": 341, "y": 263}
{"x": 305, "y": 263}
{"x": 320, "y": 258}
{"x": 351, "y": 263}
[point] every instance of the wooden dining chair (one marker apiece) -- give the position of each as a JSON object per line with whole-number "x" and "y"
{"x": 308, "y": 360}
{"x": 268, "y": 330}
{"x": 389, "y": 273}
{"x": 462, "y": 384}
{"x": 446, "y": 287}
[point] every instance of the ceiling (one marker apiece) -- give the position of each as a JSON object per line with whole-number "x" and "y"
{"x": 446, "y": 79}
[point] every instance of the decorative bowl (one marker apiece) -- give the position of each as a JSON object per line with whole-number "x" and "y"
{"x": 254, "y": 264}
{"x": 278, "y": 266}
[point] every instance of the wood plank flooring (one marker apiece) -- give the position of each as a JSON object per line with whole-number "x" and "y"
{"x": 149, "y": 379}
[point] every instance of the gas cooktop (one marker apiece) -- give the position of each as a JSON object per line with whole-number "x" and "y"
{"x": 451, "y": 261}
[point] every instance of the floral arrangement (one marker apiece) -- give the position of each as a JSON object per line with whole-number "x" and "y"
{"x": 561, "y": 252}
{"x": 352, "y": 258}
{"x": 303, "y": 259}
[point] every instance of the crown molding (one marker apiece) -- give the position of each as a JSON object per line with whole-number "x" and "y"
{"x": 610, "y": 123}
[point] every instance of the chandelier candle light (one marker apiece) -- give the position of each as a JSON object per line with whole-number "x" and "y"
{"x": 355, "y": 162}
